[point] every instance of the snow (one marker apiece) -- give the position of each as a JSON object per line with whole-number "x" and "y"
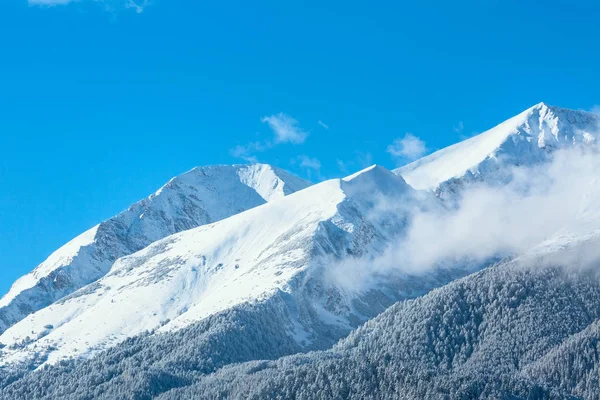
{"x": 361, "y": 172}
{"x": 523, "y": 139}
{"x": 218, "y": 237}
{"x": 190, "y": 275}
{"x": 200, "y": 196}
{"x": 270, "y": 183}
{"x": 61, "y": 257}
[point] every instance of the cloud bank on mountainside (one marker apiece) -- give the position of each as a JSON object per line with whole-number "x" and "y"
{"x": 540, "y": 204}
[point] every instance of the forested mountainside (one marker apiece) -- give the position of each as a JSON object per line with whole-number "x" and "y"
{"x": 521, "y": 330}
{"x": 284, "y": 250}
{"x": 471, "y": 273}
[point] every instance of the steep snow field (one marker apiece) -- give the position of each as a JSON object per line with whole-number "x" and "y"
{"x": 190, "y": 275}
{"x": 198, "y": 197}
{"x": 525, "y": 329}
{"x": 522, "y": 329}
{"x": 251, "y": 258}
{"x": 525, "y": 139}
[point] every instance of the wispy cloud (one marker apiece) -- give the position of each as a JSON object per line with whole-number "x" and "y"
{"x": 409, "y": 147}
{"x": 342, "y": 166}
{"x": 459, "y": 127}
{"x": 323, "y": 124}
{"x": 490, "y": 221}
{"x": 309, "y": 162}
{"x": 248, "y": 152}
{"x": 285, "y": 128}
{"x": 364, "y": 159}
{"x": 311, "y": 166}
{"x": 137, "y": 5}
{"x": 50, "y": 2}
{"x": 361, "y": 160}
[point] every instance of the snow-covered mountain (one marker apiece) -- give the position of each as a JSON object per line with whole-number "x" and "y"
{"x": 524, "y": 329}
{"x": 524, "y": 140}
{"x": 198, "y": 197}
{"x": 220, "y": 267}
{"x": 285, "y": 246}
{"x": 521, "y": 329}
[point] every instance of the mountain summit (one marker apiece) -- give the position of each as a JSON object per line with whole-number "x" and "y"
{"x": 198, "y": 197}
{"x": 525, "y": 139}
{"x": 276, "y": 256}
{"x": 233, "y": 264}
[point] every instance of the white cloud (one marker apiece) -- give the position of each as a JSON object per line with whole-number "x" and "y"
{"x": 311, "y": 166}
{"x": 459, "y": 127}
{"x": 323, "y": 124}
{"x": 512, "y": 218}
{"x": 409, "y": 147}
{"x": 342, "y": 166}
{"x": 248, "y": 152}
{"x": 361, "y": 160}
{"x": 137, "y": 5}
{"x": 541, "y": 206}
{"x": 50, "y": 2}
{"x": 310, "y": 163}
{"x": 285, "y": 128}
{"x": 364, "y": 159}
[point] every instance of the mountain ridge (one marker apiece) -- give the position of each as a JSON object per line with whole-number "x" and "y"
{"x": 480, "y": 336}
{"x": 314, "y": 266}
{"x": 525, "y": 139}
{"x": 281, "y": 247}
{"x": 188, "y": 200}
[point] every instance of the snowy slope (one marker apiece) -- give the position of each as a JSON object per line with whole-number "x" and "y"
{"x": 310, "y": 263}
{"x": 519, "y": 329}
{"x": 525, "y": 139}
{"x": 279, "y": 247}
{"x": 523, "y": 329}
{"x": 198, "y": 197}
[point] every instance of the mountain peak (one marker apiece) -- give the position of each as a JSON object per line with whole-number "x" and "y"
{"x": 186, "y": 277}
{"x": 375, "y": 174}
{"x": 542, "y": 104}
{"x": 524, "y": 139}
{"x": 373, "y": 169}
{"x": 199, "y": 196}
{"x": 268, "y": 181}
{"x": 374, "y": 179}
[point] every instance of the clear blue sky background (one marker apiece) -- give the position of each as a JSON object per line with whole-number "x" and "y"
{"x": 100, "y": 105}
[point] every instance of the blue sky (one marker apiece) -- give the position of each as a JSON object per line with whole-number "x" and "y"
{"x": 101, "y": 102}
